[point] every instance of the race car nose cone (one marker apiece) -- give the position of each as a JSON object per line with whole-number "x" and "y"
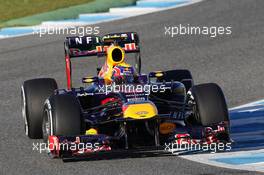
{"x": 140, "y": 110}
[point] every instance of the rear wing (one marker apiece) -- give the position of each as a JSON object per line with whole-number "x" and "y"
{"x": 82, "y": 46}
{"x": 92, "y": 45}
{"x": 128, "y": 41}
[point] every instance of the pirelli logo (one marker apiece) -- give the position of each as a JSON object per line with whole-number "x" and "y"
{"x": 127, "y": 47}
{"x": 99, "y": 48}
{"x": 130, "y": 46}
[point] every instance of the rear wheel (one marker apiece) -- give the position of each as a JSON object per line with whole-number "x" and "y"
{"x": 182, "y": 75}
{"x": 62, "y": 116}
{"x": 34, "y": 93}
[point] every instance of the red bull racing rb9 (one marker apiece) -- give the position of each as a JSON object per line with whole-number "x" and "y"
{"x": 121, "y": 110}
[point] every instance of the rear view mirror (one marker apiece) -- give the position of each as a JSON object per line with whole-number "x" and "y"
{"x": 90, "y": 79}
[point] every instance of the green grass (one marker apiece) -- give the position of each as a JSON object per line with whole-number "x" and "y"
{"x": 12, "y": 9}
{"x": 34, "y": 12}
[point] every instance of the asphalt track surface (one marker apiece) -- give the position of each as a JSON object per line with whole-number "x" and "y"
{"x": 235, "y": 62}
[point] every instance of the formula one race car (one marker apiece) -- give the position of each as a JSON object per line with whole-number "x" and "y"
{"x": 121, "y": 109}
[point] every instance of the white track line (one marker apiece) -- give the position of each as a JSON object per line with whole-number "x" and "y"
{"x": 132, "y": 11}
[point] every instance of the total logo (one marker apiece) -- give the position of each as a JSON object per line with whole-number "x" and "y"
{"x": 142, "y": 112}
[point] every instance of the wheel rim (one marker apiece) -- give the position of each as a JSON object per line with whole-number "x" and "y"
{"x": 24, "y": 112}
{"x": 196, "y": 114}
{"x": 46, "y": 128}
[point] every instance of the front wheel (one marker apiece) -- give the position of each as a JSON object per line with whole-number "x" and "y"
{"x": 33, "y": 94}
{"x": 210, "y": 106}
{"x": 62, "y": 116}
